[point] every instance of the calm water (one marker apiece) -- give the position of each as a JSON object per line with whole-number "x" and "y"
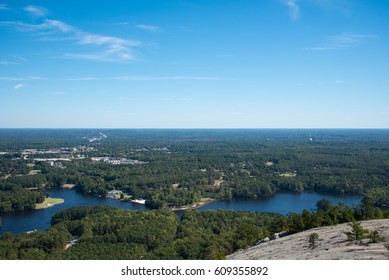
{"x": 40, "y": 219}
{"x": 281, "y": 203}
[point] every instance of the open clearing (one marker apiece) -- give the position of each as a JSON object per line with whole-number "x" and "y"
{"x": 202, "y": 202}
{"x": 49, "y": 202}
{"x": 34, "y": 172}
{"x": 217, "y": 183}
{"x": 288, "y": 174}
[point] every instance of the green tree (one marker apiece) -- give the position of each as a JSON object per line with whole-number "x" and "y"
{"x": 313, "y": 237}
{"x": 324, "y": 204}
{"x": 375, "y": 237}
{"x": 357, "y": 232}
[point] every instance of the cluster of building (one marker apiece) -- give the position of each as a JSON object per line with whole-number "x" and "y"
{"x": 115, "y": 161}
{"x": 62, "y": 150}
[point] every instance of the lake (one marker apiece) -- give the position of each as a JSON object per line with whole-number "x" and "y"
{"x": 281, "y": 203}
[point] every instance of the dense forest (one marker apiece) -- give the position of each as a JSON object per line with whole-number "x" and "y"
{"x": 103, "y": 232}
{"x": 172, "y": 168}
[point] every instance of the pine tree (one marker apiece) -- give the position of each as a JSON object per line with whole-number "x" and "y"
{"x": 357, "y": 233}
{"x": 313, "y": 237}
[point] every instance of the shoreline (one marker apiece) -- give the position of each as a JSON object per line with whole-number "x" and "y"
{"x": 49, "y": 202}
{"x": 201, "y": 203}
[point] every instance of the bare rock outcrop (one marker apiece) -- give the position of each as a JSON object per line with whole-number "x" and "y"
{"x": 331, "y": 245}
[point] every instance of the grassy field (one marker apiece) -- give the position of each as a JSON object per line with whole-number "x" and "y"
{"x": 49, "y": 202}
{"x": 31, "y": 165}
{"x": 34, "y": 172}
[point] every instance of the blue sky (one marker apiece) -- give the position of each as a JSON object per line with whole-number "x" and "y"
{"x": 194, "y": 64}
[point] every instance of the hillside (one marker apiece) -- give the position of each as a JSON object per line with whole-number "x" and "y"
{"x": 332, "y": 245}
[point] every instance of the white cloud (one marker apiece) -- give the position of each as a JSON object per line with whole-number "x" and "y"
{"x": 36, "y": 11}
{"x": 319, "y": 48}
{"x": 19, "y": 86}
{"x": 5, "y": 62}
{"x": 56, "y": 24}
{"x": 99, "y": 40}
{"x": 343, "y": 40}
{"x": 116, "y": 49}
{"x": 167, "y": 78}
{"x": 12, "y": 60}
{"x": 4, "y": 7}
{"x": 28, "y": 78}
{"x": 147, "y": 78}
{"x": 148, "y": 27}
{"x": 349, "y": 39}
{"x": 46, "y": 25}
{"x": 294, "y": 9}
{"x": 105, "y": 56}
{"x": 82, "y": 79}
{"x": 343, "y": 6}
{"x": 336, "y": 5}
{"x": 105, "y": 48}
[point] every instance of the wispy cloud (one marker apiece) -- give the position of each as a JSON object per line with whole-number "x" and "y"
{"x": 4, "y": 7}
{"x": 19, "y": 86}
{"x": 146, "y": 78}
{"x": 36, "y": 11}
{"x": 343, "y": 40}
{"x": 28, "y": 78}
{"x": 47, "y": 25}
{"x": 104, "y": 48}
{"x": 167, "y": 78}
{"x": 82, "y": 79}
{"x": 350, "y": 39}
{"x": 105, "y": 40}
{"x": 115, "y": 49}
{"x": 12, "y": 60}
{"x": 294, "y": 9}
{"x": 320, "y": 48}
{"x": 295, "y": 6}
{"x": 5, "y": 62}
{"x": 120, "y": 78}
{"x": 343, "y": 6}
{"x": 148, "y": 27}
